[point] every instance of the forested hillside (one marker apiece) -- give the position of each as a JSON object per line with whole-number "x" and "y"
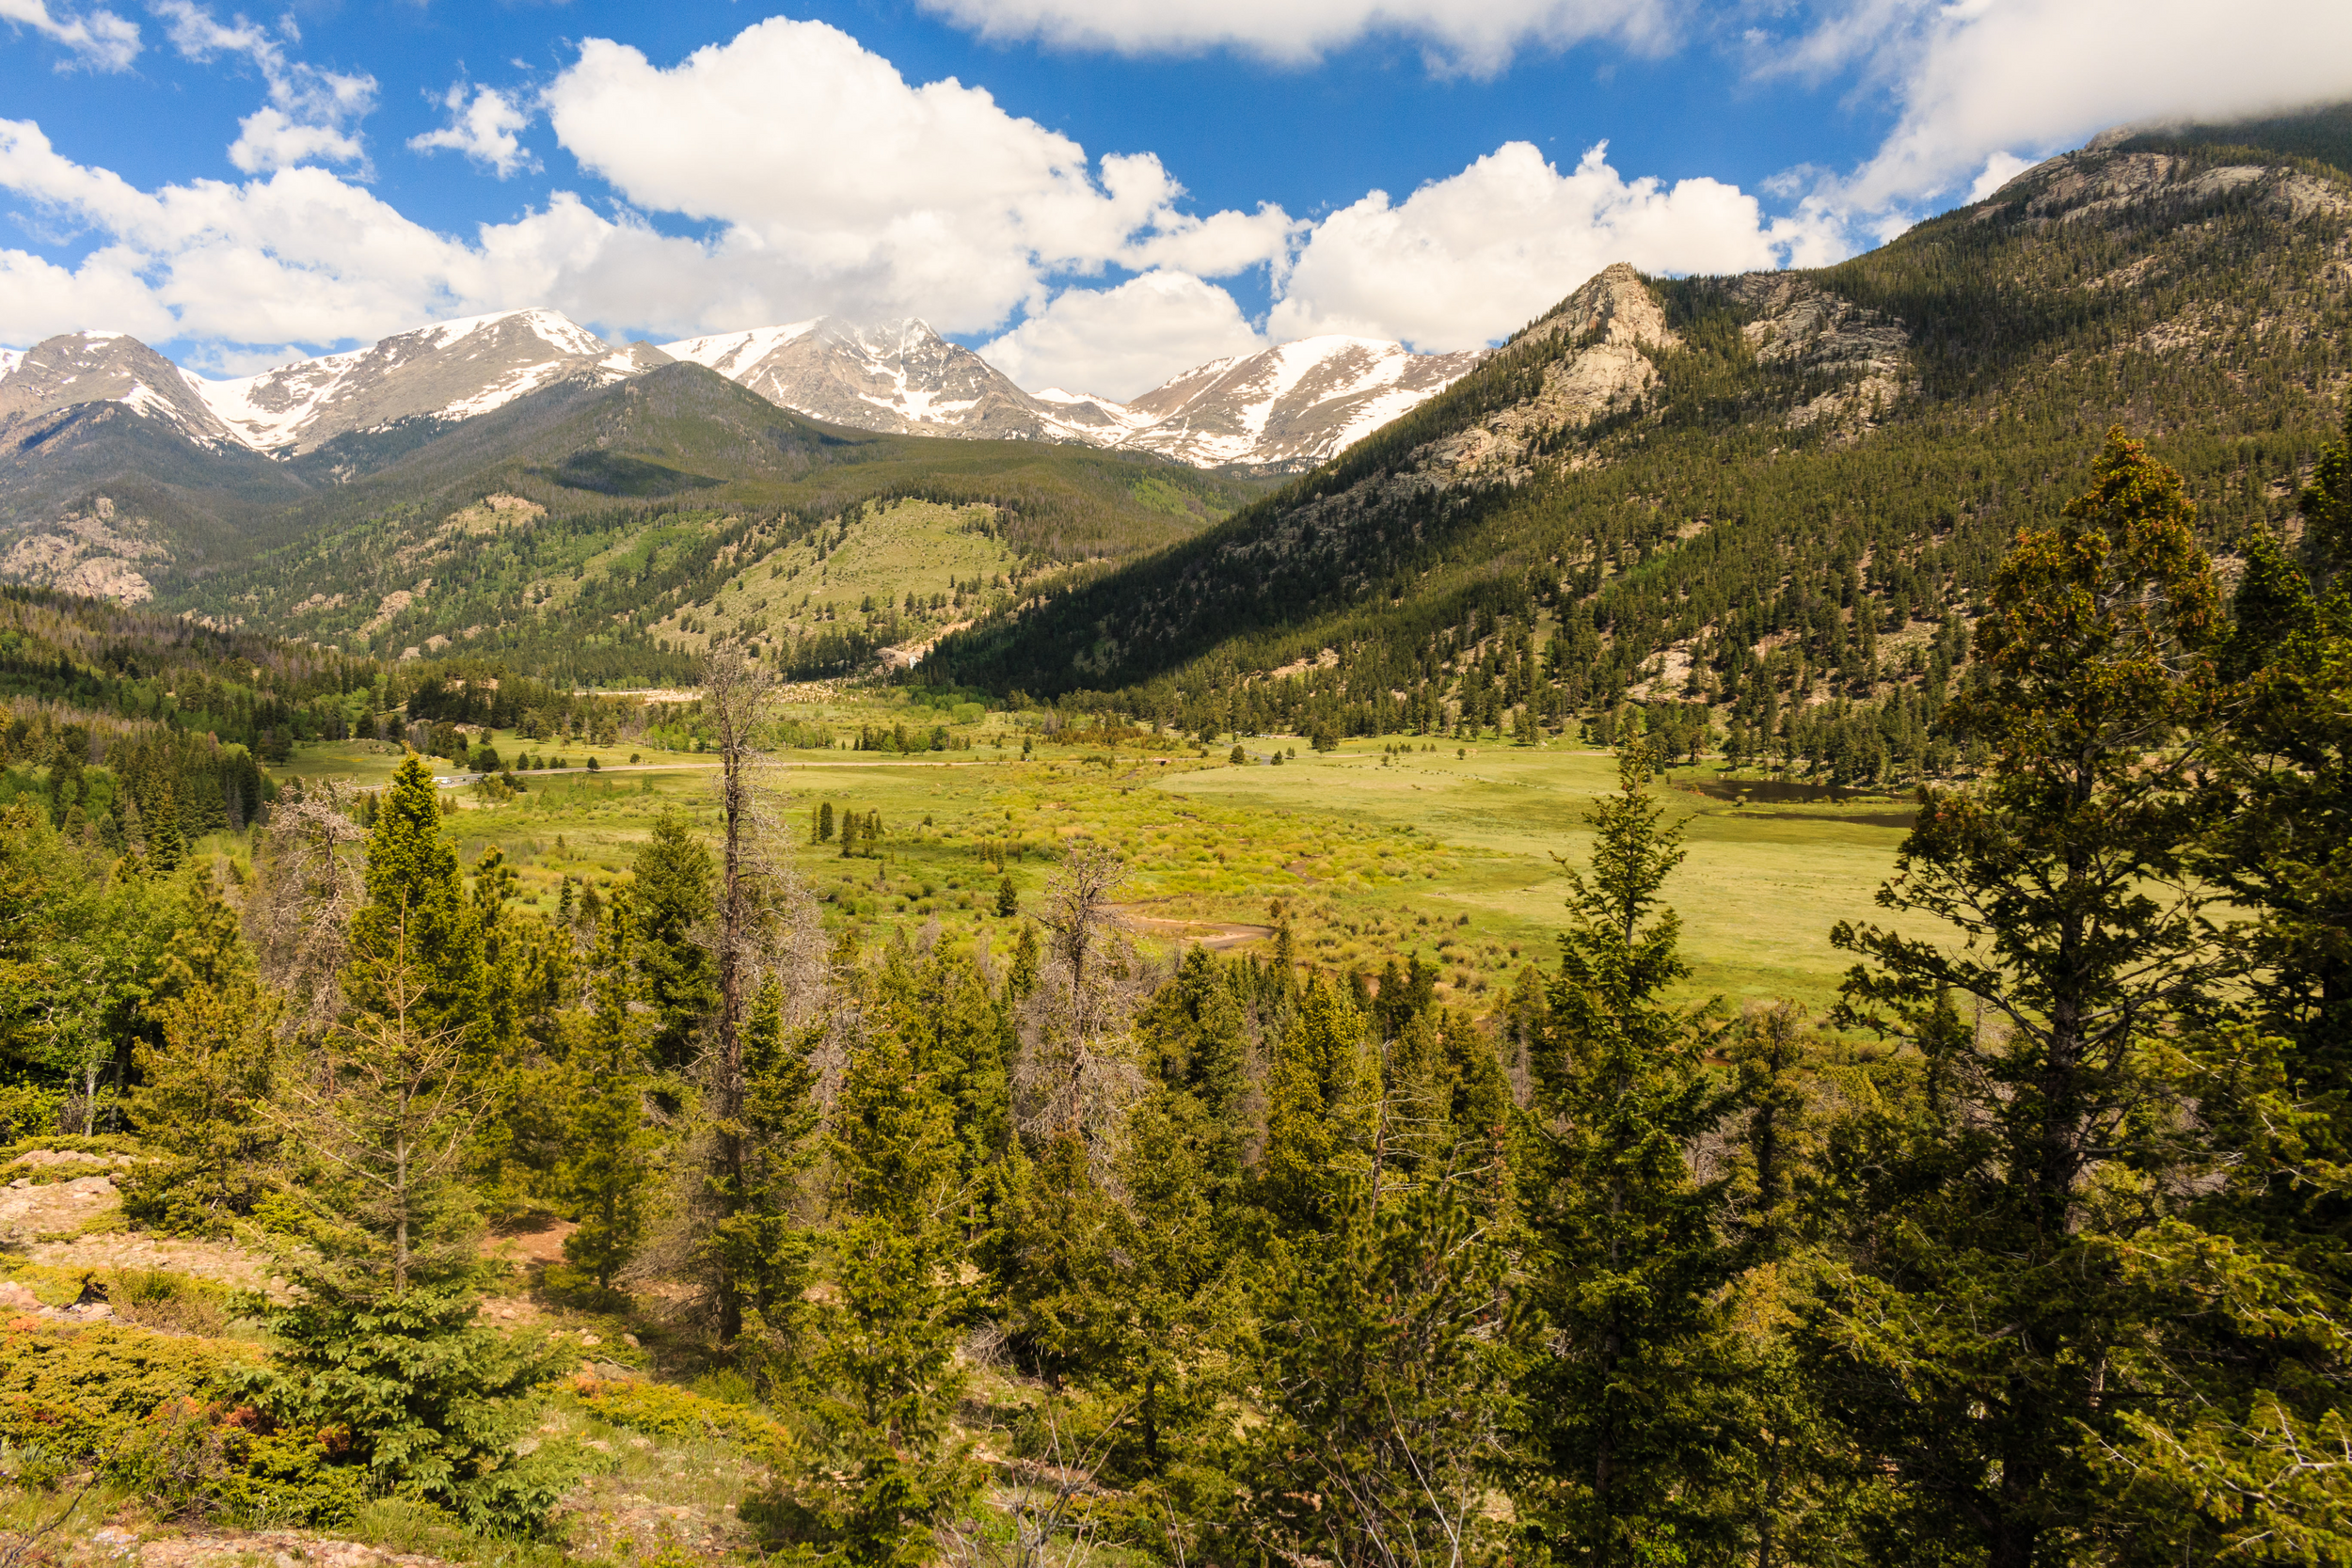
{"x": 549, "y": 524}
{"x": 1026, "y": 1242}
{"x": 1765, "y": 506}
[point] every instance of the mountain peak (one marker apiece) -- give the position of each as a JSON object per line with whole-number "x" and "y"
{"x": 450, "y": 370}
{"x": 106, "y": 367}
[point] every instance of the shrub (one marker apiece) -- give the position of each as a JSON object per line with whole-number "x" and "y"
{"x": 428, "y": 1401}
{"x": 190, "y": 1458}
{"x": 665, "y": 1410}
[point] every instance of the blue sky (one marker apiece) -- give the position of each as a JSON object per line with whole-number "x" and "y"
{"x": 1095, "y": 193}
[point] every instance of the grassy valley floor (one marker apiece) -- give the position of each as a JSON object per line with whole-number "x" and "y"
{"x": 1364, "y": 851}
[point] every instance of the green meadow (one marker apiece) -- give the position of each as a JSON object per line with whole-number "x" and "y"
{"x": 1373, "y": 850}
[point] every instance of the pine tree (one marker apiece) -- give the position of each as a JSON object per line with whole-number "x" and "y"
{"x": 608, "y": 1164}
{"x": 756, "y": 1236}
{"x": 1323, "y": 1099}
{"x": 166, "y": 846}
{"x": 671, "y": 899}
{"x": 1388, "y": 1364}
{"x": 883, "y": 1466}
{"x": 2225, "y": 1471}
{"x": 2065, "y": 873}
{"x": 1626, "y": 1265}
{"x": 417, "y": 923}
{"x": 200, "y": 1103}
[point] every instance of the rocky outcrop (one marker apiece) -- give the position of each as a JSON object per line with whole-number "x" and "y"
{"x": 1610, "y": 328}
{"x": 97, "y": 552}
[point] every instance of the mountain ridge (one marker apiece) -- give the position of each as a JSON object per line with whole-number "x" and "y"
{"x": 1761, "y": 496}
{"x": 1278, "y": 410}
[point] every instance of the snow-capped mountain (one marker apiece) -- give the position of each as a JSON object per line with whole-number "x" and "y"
{"x": 106, "y": 367}
{"x": 451, "y": 370}
{"x": 897, "y": 376}
{"x": 1290, "y": 406}
{"x": 1287, "y": 407}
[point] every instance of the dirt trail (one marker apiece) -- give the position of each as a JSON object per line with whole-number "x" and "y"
{"x": 1215, "y": 935}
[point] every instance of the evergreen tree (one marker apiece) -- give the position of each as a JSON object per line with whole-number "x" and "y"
{"x": 1388, "y": 1362}
{"x": 757, "y": 1237}
{"x": 418, "y": 924}
{"x": 2225, "y": 1470}
{"x": 2005, "y": 1201}
{"x": 1196, "y": 1039}
{"x": 884, "y": 1467}
{"x": 1625, "y": 1409}
{"x": 200, "y": 1103}
{"x": 1322, "y": 1110}
{"x": 672, "y": 898}
{"x": 608, "y": 1165}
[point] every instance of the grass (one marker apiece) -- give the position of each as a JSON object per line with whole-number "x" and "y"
{"x": 1365, "y": 853}
{"x": 885, "y": 553}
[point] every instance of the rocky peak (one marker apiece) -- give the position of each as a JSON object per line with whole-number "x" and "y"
{"x": 1290, "y": 406}
{"x": 106, "y": 367}
{"x": 1614, "y": 308}
{"x": 451, "y": 370}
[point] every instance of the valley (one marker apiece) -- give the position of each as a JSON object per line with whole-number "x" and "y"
{"x": 1369, "y": 853}
{"x": 1713, "y": 935}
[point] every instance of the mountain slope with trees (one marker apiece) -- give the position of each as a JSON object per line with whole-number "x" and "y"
{"x": 126, "y": 505}
{"x": 1763, "y": 505}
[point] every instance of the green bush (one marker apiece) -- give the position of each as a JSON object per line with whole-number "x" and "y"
{"x": 189, "y": 1458}
{"x": 27, "y": 1108}
{"x": 665, "y": 1410}
{"x": 430, "y": 1402}
{"x": 154, "y": 1411}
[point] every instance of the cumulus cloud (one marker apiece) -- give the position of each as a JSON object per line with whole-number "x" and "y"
{"x": 1475, "y": 36}
{"x": 1465, "y": 260}
{"x": 1998, "y": 170}
{"x": 1982, "y": 81}
{"x": 1121, "y": 342}
{"x": 484, "y": 126}
{"x": 300, "y": 256}
{"x": 1219, "y": 246}
{"x": 858, "y": 192}
{"x": 99, "y": 39}
{"x": 313, "y": 115}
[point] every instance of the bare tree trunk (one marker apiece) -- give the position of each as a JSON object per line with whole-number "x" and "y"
{"x": 737, "y": 694}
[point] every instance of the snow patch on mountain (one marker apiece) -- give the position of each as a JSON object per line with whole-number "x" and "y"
{"x": 453, "y": 370}
{"x": 1292, "y": 406}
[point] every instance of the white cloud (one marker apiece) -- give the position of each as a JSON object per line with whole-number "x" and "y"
{"x": 1999, "y": 169}
{"x": 99, "y": 39}
{"x": 266, "y": 139}
{"x": 1474, "y": 35}
{"x": 1467, "y": 258}
{"x": 1219, "y": 246}
{"x": 301, "y": 256}
{"x": 39, "y": 298}
{"x": 844, "y": 188}
{"x": 313, "y": 115}
{"x": 483, "y": 127}
{"x": 1978, "y": 80}
{"x": 1122, "y": 341}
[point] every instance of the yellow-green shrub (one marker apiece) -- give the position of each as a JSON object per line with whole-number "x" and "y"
{"x": 665, "y": 1410}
